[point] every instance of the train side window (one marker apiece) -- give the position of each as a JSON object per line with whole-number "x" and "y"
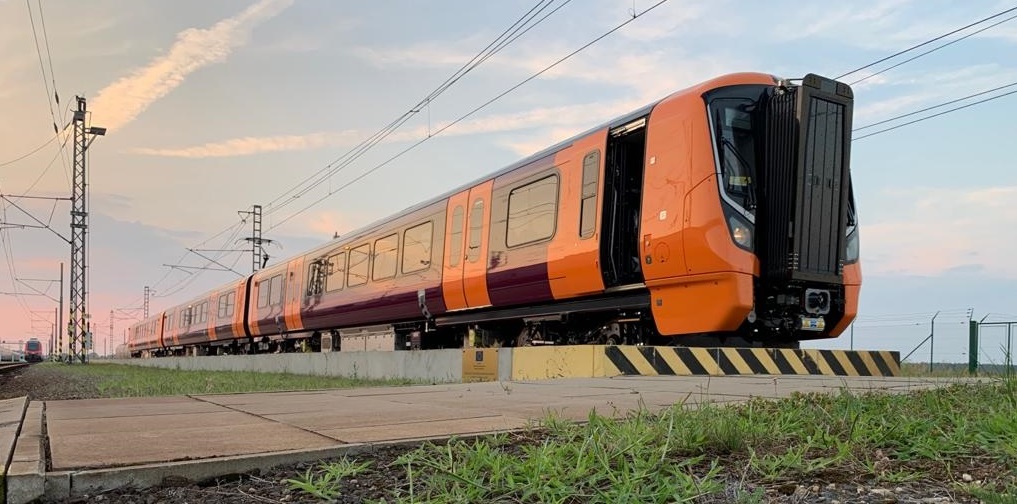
{"x": 231, "y": 302}
{"x": 456, "y": 237}
{"x": 588, "y": 204}
{"x": 386, "y": 253}
{"x": 417, "y": 247}
{"x": 262, "y": 293}
{"x": 476, "y": 228}
{"x": 169, "y": 321}
{"x": 532, "y": 212}
{"x": 336, "y": 272}
{"x": 359, "y": 266}
{"x": 276, "y": 291}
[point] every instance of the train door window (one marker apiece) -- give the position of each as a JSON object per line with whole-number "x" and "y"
{"x": 169, "y": 321}
{"x": 336, "y": 269}
{"x": 203, "y": 312}
{"x": 263, "y": 294}
{"x": 456, "y": 237}
{"x": 476, "y": 228}
{"x": 231, "y": 303}
{"x": 360, "y": 265}
{"x": 276, "y": 291}
{"x": 417, "y": 247}
{"x": 588, "y": 206}
{"x": 222, "y": 306}
{"x": 532, "y": 212}
{"x": 386, "y": 254}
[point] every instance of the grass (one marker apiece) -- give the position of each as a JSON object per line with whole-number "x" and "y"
{"x": 962, "y": 438}
{"x": 119, "y": 380}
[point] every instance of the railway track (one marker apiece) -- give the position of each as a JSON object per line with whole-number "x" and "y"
{"x": 7, "y": 367}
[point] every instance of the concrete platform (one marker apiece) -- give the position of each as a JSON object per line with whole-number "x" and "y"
{"x": 105, "y": 443}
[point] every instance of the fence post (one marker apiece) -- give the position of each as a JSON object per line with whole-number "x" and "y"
{"x": 972, "y": 347}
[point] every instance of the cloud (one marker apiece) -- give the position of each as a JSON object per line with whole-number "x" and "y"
{"x": 944, "y": 231}
{"x": 121, "y": 102}
{"x": 247, "y": 146}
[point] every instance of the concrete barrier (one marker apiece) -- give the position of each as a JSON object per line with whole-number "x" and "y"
{"x": 547, "y": 362}
{"x": 436, "y": 366}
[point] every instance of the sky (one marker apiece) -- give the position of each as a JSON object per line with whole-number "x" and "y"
{"x": 212, "y": 107}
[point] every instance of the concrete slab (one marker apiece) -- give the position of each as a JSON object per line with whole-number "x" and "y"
{"x": 126, "y": 407}
{"x": 158, "y": 423}
{"x": 410, "y": 430}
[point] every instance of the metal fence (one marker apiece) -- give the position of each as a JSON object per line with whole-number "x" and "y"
{"x": 991, "y": 347}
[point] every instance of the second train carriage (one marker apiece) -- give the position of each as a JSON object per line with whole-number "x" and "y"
{"x": 720, "y": 215}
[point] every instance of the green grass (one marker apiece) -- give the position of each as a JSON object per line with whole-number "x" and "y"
{"x": 120, "y": 380}
{"x": 724, "y": 453}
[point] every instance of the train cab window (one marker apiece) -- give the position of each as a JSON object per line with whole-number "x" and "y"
{"x": 532, "y": 212}
{"x": 386, "y": 253}
{"x": 336, "y": 271}
{"x": 588, "y": 203}
{"x": 456, "y": 237}
{"x": 417, "y": 247}
{"x": 476, "y": 228}
{"x": 360, "y": 265}
{"x": 276, "y": 290}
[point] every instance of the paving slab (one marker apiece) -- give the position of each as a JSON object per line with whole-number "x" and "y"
{"x": 412, "y": 430}
{"x": 146, "y": 431}
{"x": 95, "y": 437}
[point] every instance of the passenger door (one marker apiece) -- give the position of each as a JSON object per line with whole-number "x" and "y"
{"x": 478, "y": 230}
{"x": 467, "y": 230}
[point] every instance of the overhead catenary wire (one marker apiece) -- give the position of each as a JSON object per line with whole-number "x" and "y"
{"x": 948, "y": 111}
{"x": 470, "y": 113}
{"x": 926, "y": 109}
{"x": 954, "y": 41}
{"x": 927, "y": 42}
{"x": 31, "y": 152}
{"x": 508, "y": 36}
{"x": 42, "y": 67}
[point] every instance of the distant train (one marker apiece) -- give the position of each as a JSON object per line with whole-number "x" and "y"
{"x": 33, "y": 350}
{"x": 720, "y": 215}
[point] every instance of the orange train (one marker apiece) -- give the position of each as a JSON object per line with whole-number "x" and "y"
{"x": 720, "y": 215}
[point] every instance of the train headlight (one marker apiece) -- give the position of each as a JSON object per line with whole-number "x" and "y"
{"x": 741, "y": 232}
{"x": 852, "y": 248}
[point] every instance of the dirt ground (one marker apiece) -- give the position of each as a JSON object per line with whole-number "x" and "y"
{"x": 40, "y": 384}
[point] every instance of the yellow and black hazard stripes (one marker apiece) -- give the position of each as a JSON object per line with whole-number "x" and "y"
{"x": 644, "y": 360}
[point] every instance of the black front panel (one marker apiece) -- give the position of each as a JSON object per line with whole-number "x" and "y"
{"x": 819, "y": 227}
{"x": 805, "y": 181}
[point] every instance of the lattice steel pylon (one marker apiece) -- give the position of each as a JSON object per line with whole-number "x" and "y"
{"x": 258, "y": 256}
{"x": 78, "y": 325}
{"x": 148, "y": 292}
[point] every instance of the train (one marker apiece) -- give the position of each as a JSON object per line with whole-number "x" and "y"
{"x": 33, "y": 350}
{"x": 720, "y": 215}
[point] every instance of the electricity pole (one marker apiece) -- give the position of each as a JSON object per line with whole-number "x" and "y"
{"x": 148, "y": 292}
{"x": 110, "y": 338}
{"x": 78, "y": 325}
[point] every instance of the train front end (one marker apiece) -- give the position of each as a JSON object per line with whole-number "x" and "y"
{"x": 782, "y": 155}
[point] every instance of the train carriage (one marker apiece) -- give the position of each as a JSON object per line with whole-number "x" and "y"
{"x": 720, "y": 215}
